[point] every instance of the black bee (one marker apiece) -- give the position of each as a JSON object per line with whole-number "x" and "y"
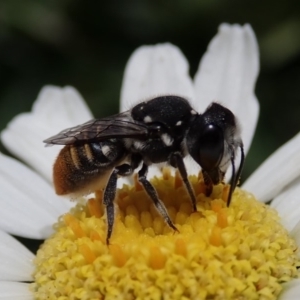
{"x": 163, "y": 129}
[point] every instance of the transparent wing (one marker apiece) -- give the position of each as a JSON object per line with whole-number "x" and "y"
{"x": 116, "y": 126}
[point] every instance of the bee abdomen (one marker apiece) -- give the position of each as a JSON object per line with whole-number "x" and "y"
{"x": 67, "y": 171}
{"x": 77, "y": 167}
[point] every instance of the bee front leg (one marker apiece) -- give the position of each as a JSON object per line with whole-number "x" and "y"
{"x": 150, "y": 190}
{"x": 110, "y": 194}
{"x": 208, "y": 183}
{"x": 176, "y": 161}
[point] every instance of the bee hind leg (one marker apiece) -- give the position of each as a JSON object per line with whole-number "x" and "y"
{"x": 110, "y": 194}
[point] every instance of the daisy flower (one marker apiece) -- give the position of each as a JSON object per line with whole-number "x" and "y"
{"x": 243, "y": 251}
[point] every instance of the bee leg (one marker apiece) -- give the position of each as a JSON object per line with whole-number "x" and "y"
{"x": 110, "y": 194}
{"x": 235, "y": 174}
{"x": 208, "y": 183}
{"x": 176, "y": 161}
{"x": 150, "y": 190}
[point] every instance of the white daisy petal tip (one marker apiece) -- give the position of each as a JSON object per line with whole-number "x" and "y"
{"x": 155, "y": 70}
{"x": 62, "y": 107}
{"x": 227, "y": 74}
{"x": 54, "y": 110}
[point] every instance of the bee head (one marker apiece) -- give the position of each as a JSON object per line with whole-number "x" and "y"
{"x": 212, "y": 140}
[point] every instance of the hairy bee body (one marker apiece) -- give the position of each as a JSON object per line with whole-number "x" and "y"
{"x": 162, "y": 130}
{"x": 80, "y": 169}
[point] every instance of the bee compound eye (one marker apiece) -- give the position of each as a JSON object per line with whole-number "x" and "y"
{"x": 211, "y": 147}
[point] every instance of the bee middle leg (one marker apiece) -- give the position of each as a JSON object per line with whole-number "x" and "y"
{"x": 150, "y": 190}
{"x": 176, "y": 161}
{"x": 110, "y": 194}
{"x": 208, "y": 183}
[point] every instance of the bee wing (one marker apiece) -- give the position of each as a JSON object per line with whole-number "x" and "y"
{"x": 117, "y": 126}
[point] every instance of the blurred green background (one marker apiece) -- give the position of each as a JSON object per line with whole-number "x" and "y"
{"x": 86, "y": 44}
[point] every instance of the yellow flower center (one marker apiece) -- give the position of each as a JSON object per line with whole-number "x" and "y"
{"x": 240, "y": 252}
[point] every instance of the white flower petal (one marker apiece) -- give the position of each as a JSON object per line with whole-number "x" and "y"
{"x": 54, "y": 110}
{"x": 155, "y": 70}
{"x": 287, "y": 205}
{"x": 24, "y": 138}
{"x": 295, "y": 234}
{"x": 61, "y": 107}
{"x": 29, "y": 205}
{"x": 291, "y": 290}
{"x": 227, "y": 74}
{"x": 276, "y": 172}
{"x": 15, "y": 291}
{"x": 15, "y": 260}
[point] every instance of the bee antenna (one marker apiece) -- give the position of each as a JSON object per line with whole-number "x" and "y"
{"x": 235, "y": 175}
